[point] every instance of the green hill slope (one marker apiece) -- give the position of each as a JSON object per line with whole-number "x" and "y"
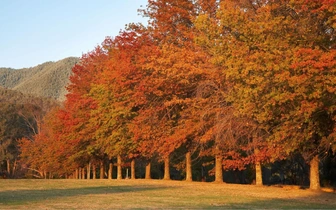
{"x": 46, "y": 80}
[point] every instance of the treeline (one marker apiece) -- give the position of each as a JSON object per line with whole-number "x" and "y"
{"x": 234, "y": 84}
{"x": 21, "y": 116}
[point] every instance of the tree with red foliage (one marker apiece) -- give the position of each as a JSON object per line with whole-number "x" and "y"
{"x": 78, "y": 106}
{"x": 171, "y": 80}
{"x": 45, "y": 153}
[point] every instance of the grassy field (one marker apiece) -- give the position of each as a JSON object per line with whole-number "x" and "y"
{"x": 154, "y": 194}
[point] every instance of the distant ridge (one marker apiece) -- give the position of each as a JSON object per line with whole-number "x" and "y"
{"x": 46, "y": 80}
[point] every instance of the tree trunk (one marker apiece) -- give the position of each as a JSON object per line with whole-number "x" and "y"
{"x": 83, "y": 173}
{"x": 148, "y": 171}
{"x": 259, "y": 180}
{"x": 76, "y": 173}
{"x": 314, "y": 174}
{"x": 188, "y": 167}
{"x": 88, "y": 176}
{"x": 126, "y": 177}
{"x": 110, "y": 170}
{"x": 166, "y": 168}
{"x": 101, "y": 173}
{"x": 119, "y": 172}
{"x": 94, "y": 175}
{"x": 133, "y": 169}
{"x": 79, "y": 173}
{"x": 219, "y": 169}
{"x": 8, "y": 167}
{"x": 14, "y": 168}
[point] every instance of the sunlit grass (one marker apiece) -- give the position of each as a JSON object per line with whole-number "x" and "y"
{"x": 157, "y": 194}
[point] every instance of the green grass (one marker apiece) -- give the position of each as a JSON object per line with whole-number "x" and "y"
{"x": 155, "y": 194}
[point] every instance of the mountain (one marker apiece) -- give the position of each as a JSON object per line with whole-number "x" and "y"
{"x": 45, "y": 80}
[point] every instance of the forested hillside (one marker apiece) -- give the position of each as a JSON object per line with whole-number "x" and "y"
{"x": 45, "y": 80}
{"x": 208, "y": 88}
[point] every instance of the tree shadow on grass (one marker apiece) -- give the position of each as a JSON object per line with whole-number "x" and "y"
{"x": 19, "y": 197}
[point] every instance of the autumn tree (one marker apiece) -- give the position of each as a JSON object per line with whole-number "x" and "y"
{"x": 278, "y": 57}
{"x": 172, "y": 80}
{"x": 78, "y": 106}
{"x": 112, "y": 114}
{"x": 45, "y": 152}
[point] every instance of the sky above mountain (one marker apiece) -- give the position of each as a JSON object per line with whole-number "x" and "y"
{"x": 36, "y": 31}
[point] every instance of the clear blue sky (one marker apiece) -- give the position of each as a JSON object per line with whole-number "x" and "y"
{"x": 35, "y": 31}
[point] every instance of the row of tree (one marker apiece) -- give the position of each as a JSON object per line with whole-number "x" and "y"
{"x": 245, "y": 82}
